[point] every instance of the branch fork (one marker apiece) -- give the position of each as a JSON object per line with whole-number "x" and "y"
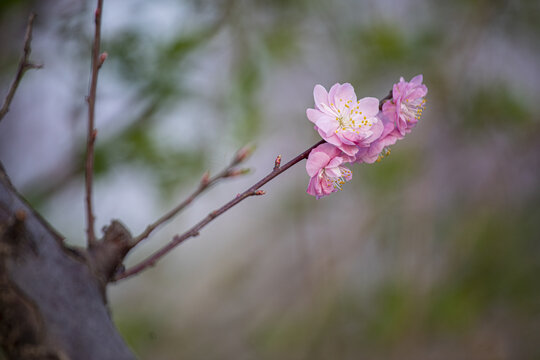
{"x": 24, "y": 65}
{"x": 195, "y": 230}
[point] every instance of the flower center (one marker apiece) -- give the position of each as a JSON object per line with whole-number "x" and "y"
{"x": 349, "y": 117}
{"x": 338, "y": 181}
{"x": 413, "y": 109}
{"x": 384, "y": 153}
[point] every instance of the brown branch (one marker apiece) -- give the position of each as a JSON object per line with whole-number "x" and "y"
{"x": 97, "y": 61}
{"x": 205, "y": 183}
{"x": 24, "y": 65}
{"x": 194, "y": 231}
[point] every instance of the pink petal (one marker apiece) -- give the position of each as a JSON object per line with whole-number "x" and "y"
{"x": 401, "y": 125}
{"x": 377, "y": 128}
{"x": 331, "y": 139}
{"x": 391, "y": 139}
{"x": 329, "y": 150}
{"x": 313, "y": 115}
{"x": 348, "y": 137}
{"x": 334, "y": 163}
{"x": 389, "y": 110}
{"x": 369, "y": 106}
{"x": 316, "y": 161}
{"x": 331, "y": 94}
{"x": 327, "y": 187}
{"x": 327, "y": 124}
{"x": 333, "y": 172}
{"x": 366, "y": 156}
{"x": 320, "y": 95}
{"x": 314, "y": 188}
{"x": 417, "y": 93}
{"x": 417, "y": 79}
{"x": 350, "y": 150}
{"x": 387, "y": 122}
{"x": 343, "y": 94}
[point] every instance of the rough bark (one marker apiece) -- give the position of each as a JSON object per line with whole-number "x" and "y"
{"x": 52, "y": 298}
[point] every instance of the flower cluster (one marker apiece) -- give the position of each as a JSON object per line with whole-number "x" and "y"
{"x": 358, "y": 131}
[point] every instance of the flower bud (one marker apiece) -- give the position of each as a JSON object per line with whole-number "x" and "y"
{"x": 102, "y": 58}
{"x": 277, "y": 163}
{"x": 205, "y": 179}
{"x": 243, "y": 154}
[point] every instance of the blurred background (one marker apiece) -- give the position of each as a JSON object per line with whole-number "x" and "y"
{"x": 433, "y": 253}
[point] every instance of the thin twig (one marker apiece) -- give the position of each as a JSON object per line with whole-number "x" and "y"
{"x": 97, "y": 61}
{"x": 194, "y": 231}
{"x": 24, "y": 65}
{"x": 204, "y": 184}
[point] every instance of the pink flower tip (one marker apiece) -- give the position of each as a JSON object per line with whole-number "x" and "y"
{"x": 407, "y": 104}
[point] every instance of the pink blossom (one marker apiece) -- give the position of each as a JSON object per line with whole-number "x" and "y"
{"x": 325, "y": 167}
{"x": 380, "y": 147}
{"x": 344, "y": 121}
{"x": 407, "y": 104}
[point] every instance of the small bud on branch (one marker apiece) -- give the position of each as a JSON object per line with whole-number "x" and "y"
{"x": 243, "y": 154}
{"x": 102, "y": 59}
{"x": 237, "y": 172}
{"x": 205, "y": 180}
{"x": 277, "y": 163}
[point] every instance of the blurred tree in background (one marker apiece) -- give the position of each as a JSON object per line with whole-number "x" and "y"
{"x": 433, "y": 253}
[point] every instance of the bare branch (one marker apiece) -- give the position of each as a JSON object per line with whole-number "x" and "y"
{"x": 194, "y": 231}
{"x": 97, "y": 62}
{"x": 204, "y": 184}
{"x": 24, "y": 65}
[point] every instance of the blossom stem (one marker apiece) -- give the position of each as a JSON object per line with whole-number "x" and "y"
{"x": 195, "y": 230}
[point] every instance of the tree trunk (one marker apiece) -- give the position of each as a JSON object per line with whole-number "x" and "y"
{"x": 52, "y": 303}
